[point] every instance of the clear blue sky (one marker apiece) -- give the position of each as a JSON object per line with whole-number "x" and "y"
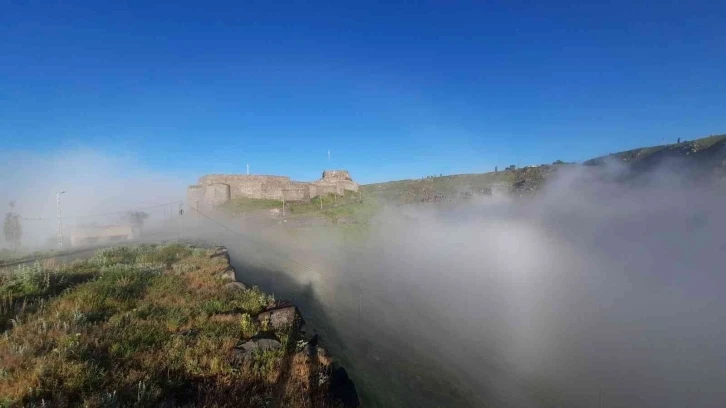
{"x": 394, "y": 91}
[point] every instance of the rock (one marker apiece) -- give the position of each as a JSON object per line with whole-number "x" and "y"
{"x": 228, "y": 274}
{"x": 308, "y": 350}
{"x": 342, "y": 389}
{"x": 235, "y": 286}
{"x": 219, "y": 251}
{"x": 262, "y": 344}
{"x": 281, "y": 317}
{"x": 311, "y": 347}
{"x": 244, "y": 351}
{"x": 323, "y": 357}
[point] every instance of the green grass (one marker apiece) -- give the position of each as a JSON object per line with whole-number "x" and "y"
{"x": 413, "y": 190}
{"x": 346, "y": 209}
{"x": 241, "y": 205}
{"x": 674, "y": 149}
{"x": 11, "y": 257}
{"x": 145, "y": 325}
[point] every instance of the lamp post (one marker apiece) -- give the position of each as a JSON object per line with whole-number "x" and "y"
{"x": 60, "y": 219}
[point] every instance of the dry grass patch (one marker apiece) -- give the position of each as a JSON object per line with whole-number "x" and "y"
{"x": 144, "y": 325}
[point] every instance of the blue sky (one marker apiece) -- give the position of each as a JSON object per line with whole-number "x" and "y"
{"x": 393, "y": 90}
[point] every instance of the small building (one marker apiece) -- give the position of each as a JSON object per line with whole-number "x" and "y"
{"x": 88, "y": 235}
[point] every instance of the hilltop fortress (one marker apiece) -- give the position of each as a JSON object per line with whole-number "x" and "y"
{"x": 214, "y": 190}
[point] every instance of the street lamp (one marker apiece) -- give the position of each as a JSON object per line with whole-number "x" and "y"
{"x": 60, "y": 220}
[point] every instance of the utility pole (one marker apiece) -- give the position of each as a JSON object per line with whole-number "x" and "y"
{"x": 60, "y": 219}
{"x": 181, "y": 212}
{"x": 196, "y": 213}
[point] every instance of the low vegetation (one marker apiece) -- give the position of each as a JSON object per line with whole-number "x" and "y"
{"x": 351, "y": 209}
{"x": 251, "y": 205}
{"x": 707, "y": 155}
{"x": 147, "y": 325}
{"x": 13, "y": 257}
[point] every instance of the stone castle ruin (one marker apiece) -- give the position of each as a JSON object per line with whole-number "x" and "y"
{"x": 214, "y": 190}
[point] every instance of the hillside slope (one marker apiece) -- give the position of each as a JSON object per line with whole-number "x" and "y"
{"x": 707, "y": 154}
{"x": 701, "y": 158}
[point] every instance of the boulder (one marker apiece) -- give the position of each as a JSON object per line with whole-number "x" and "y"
{"x": 235, "y": 286}
{"x": 281, "y": 316}
{"x": 244, "y": 351}
{"x": 262, "y": 344}
{"x": 228, "y": 274}
{"x": 219, "y": 251}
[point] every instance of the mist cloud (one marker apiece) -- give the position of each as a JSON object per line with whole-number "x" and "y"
{"x": 94, "y": 183}
{"x": 603, "y": 288}
{"x": 597, "y": 290}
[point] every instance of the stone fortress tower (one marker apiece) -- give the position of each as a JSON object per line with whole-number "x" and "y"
{"x": 214, "y": 190}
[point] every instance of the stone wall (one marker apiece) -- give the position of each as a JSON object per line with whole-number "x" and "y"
{"x": 216, "y": 194}
{"x": 215, "y": 189}
{"x": 195, "y": 194}
{"x": 249, "y": 186}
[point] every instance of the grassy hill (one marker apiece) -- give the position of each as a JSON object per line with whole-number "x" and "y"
{"x": 706, "y": 156}
{"x": 707, "y": 152}
{"x": 148, "y": 325}
{"x": 461, "y": 186}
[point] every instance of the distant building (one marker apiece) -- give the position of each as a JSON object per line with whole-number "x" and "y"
{"x": 214, "y": 190}
{"x": 103, "y": 234}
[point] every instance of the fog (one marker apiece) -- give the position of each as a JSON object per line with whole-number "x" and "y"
{"x": 99, "y": 189}
{"x": 600, "y": 290}
{"x": 594, "y": 292}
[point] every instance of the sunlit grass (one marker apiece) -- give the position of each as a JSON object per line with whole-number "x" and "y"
{"x": 143, "y": 325}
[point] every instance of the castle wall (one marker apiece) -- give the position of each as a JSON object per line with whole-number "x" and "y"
{"x": 323, "y": 189}
{"x": 216, "y": 194}
{"x": 195, "y": 194}
{"x": 250, "y": 186}
{"x": 216, "y": 189}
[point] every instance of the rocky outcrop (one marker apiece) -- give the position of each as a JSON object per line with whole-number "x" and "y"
{"x": 281, "y": 316}
{"x": 308, "y": 372}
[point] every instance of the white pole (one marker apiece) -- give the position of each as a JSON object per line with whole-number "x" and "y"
{"x": 60, "y": 219}
{"x": 321, "y": 201}
{"x": 196, "y": 213}
{"x": 180, "y": 222}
